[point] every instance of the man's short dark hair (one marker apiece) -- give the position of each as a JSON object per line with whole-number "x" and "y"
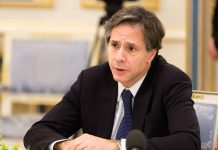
{"x": 151, "y": 25}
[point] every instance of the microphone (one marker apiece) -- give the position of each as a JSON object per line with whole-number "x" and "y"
{"x": 136, "y": 140}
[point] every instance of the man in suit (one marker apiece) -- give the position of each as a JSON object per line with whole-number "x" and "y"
{"x": 160, "y": 95}
{"x": 213, "y": 42}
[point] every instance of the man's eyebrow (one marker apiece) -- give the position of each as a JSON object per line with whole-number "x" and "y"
{"x": 127, "y": 43}
{"x": 132, "y": 44}
{"x": 114, "y": 41}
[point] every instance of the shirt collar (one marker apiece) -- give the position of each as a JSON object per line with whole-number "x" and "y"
{"x": 133, "y": 89}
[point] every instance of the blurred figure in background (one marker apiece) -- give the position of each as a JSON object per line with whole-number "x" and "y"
{"x": 213, "y": 43}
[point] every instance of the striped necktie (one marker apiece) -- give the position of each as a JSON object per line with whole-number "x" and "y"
{"x": 126, "y": 123}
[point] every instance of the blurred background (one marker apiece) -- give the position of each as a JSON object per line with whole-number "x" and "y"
{"x": 44, "y": 44}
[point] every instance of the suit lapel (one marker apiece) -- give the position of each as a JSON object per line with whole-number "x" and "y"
{"x": 142, "y": 101}
{"x": 141, "y": 106}
{"x": 107, "y": 112}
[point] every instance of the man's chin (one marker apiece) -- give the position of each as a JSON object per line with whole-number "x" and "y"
{"x": 121, "y": 80}
{"x": 118, "y": 79}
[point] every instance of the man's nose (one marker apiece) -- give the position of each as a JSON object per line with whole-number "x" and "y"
{"x": 120, "y": 55}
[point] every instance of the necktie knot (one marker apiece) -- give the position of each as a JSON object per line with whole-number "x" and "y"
{"x": 126, "y": 123}
{"x": 127, "y": 100}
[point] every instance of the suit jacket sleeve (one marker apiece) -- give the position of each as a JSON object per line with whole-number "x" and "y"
{"x": 183, "y": 127}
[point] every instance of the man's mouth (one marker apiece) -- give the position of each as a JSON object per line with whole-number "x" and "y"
{"x": 119, "y": 69}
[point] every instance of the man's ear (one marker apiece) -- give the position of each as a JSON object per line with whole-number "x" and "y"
{"x": 151, "y": 55}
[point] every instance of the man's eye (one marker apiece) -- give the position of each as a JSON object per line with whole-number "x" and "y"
{"x": 131, "y": 48}
{"x": 114, "y": 45}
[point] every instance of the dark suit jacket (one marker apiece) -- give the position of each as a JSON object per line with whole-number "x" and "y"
{"x": 162, "y": 109}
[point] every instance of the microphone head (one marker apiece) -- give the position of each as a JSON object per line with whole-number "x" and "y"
{"x": 136, "y": 140}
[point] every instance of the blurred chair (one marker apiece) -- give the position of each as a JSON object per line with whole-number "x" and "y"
{"x": 16, "y": 126}
{"x": 206, "y": 107}
{"x": 40, "y": 71}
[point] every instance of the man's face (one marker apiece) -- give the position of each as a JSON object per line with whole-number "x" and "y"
{"x": 127, "y": 55}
